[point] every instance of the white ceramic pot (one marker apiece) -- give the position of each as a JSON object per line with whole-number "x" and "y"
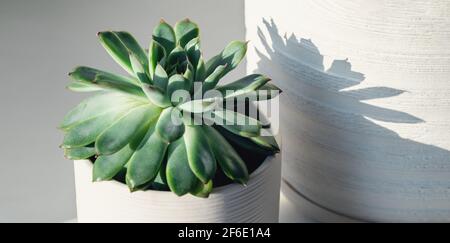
{"x": 366, "y": 107}
{"x": 111, "y": 201}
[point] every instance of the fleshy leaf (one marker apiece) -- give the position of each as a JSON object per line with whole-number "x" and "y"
{"x": 189, "y": 73}
{"x": 202, "y": 190}
{"x": 193, "y": 51}
{"x": 165, "y": 35}
{"x": 267, "y": 142}
{"x": 119, "y": 134}
{"x": 145, "y": 163}
{"x": 80, "y": 86}
{"x": 97, "y": 105}
{"x": 232, "y": 55}
{"x": 266, "y": 92}
{"x": 80, "y": 152}
{"x": 116, "y": 49}
{"x": 228, "y": 159}
{"x": 139, "y": 70}
{"x": 200, "y": 156}
{"x": 212, "y": 80}
{"x": 160, "y": 79}
{"x": 185, "y": 31}
{"x": 170, "y": 126}
{"x": 200, "y": 72}
{"x": 180, "y": 178}
{"x": 156, "y": 96}
{"x": 107, "y": 166}
{"x": 238, "y": 123}
{"x": 156, "y": 53}
{"x": 160, "y": 181}
{"x": 243, "y": 86}
{"x": 175, "y": 59}
{"x": 198, "y": 106}
{"x": 86, "y": 132}
{"x": 177, "y": 82}
{"x": 245, "y": 143}
{"x": 133, "y": 47}
{"x": 105, "y": 80}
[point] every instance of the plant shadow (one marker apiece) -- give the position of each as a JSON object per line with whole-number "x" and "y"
{"x": 334, "y": 152}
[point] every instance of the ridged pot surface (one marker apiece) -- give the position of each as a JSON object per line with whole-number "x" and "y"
{"x": 366, "y": 107}
{"x": 111, "y": 201}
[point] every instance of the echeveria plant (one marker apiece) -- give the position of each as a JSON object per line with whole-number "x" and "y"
{"x": 140, "y": 127}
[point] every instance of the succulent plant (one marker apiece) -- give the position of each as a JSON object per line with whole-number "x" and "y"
{"x": 133, "y": 129}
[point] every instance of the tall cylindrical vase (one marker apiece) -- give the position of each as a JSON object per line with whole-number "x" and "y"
{"x": 366, "y": 102}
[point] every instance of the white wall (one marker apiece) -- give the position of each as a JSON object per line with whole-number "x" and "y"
{"x": 40, "y": 42}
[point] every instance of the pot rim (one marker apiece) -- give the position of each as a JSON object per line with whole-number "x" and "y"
{"x": 216, "y": 190}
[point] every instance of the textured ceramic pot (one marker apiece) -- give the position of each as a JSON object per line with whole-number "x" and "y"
{"x": 366, "y": 107}
{"x": 111, "y": 201}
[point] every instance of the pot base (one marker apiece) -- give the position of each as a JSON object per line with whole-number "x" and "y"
{"x": 111, "y": 201}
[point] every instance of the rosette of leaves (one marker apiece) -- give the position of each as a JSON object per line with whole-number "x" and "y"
{"x": 133, "y": 130}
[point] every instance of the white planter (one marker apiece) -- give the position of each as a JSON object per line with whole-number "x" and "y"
{"x": 111, "y": 201}
{"x": 366, "y": 104}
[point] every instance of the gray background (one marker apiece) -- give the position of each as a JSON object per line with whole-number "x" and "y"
{"x": 40, "y": 42}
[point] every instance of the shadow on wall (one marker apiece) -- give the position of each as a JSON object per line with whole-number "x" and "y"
{"x": 343, "y": 161}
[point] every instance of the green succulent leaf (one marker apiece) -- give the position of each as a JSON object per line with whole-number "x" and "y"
{"x": 160, "y": 181}
{"x": 193, "y": 51}
{"x": 160, "y": 78}
{"x": 195, "y": 42}
{"x": 165, "y": 35}
{"x": 145, "y": 163}
{"x": 185, "y": 31}
{"x": 200, "y": 72}
{"x": 80, "y": 153}
{"x": 266, "y": 92}
{"x": 245, "y": 143}
{"x": 134, "y": 48}
{"x": 103, "y": 80}
{"x": 106, "y": 167}
{"x": 237, "y": 123}
{"x": 175, "y": 58}
{"x": 142, "y": 187}
{"x": 156, "y": 96}
{"x": 212, "y": 80}
{"x": 86, "y": 132}
{"x": 97, "y": 105}
{"x": 243, "y": 86}
{"x": 116, "y": 49}
{"x": 80, "y": 86}
{"x": 170, "y": 125}
{"x": 89, "y": 74}
{"x": 202, "y": 190}
{"x": 228, "y": 159}
{"x": 178, "y": 82}
{"x": 139, "y": 70}
{"x": 232, "y": 55}
{"x": 189, "y": 74}
{"x": 156, "y": 53}
{"x": 119, "y": 134}
{"x": 200, "y": 156}
{"x": 267, "y": 142}
{"x": 180, "y": 178}
{"x": 199, "y": 106}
